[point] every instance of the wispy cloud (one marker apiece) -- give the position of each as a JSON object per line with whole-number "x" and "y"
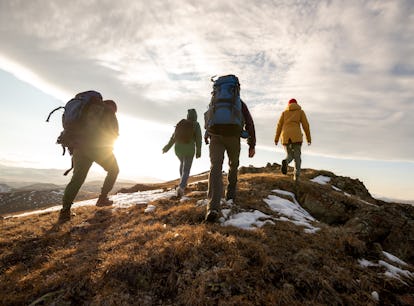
{"x": 349, "y": 64}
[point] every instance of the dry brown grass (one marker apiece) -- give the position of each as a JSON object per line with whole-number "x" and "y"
{"x": 170, "y": 257}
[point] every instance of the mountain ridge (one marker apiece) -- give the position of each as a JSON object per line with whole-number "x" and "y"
{"x": 160, "y": 252}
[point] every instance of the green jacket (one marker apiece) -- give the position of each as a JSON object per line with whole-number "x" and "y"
{"x": 187, "y": 149}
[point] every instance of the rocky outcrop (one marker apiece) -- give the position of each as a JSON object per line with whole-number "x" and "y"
{"x": 268, "y": 168}
{"x": 353, "y": 187}
{"x": 390, "y": 225}
{"x": 327, "y": 206}
{"x": 346, "y": 202}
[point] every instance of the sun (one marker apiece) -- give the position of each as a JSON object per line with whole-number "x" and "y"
{"x": 139, "y": 149}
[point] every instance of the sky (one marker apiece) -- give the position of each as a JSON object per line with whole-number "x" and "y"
{"x": 349, "y": 64}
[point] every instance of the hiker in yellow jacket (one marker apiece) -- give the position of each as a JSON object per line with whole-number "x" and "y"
{"x": 288, "y": 128}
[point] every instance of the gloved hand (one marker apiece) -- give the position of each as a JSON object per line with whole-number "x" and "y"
{"x": 252, "y": 152}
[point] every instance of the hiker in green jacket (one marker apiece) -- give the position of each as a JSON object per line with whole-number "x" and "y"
{"x": 187, "y": 139}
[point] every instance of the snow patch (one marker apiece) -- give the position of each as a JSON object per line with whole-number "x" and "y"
{"x": 248, "y": 220}
{"x": 184, "y": 199}
{"x": 336, "y": 188}
{"x": 366, "y": 263}
{"x": 395, "y": 272}
{"x": 321, "y": 179}
{"x": 391, "y": 271}
{"x": 202, "y": 202}
{"x": 375, "y": 295}
{"x": 394, "y": 259}
{"x": 226, "y": 213}
{"x": 121, "y": 200}
{"x": 60, "y": 192}
{"x": 291, "y": 211}
{"x": 150, "y": 208}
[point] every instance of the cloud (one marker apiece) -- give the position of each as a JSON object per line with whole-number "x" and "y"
{"x": 349, "y": 63}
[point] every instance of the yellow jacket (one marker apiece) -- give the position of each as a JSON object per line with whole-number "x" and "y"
{"x": 289, "y": 125}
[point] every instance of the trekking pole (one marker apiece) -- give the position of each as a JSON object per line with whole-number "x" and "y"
{"x": 50, "y": 114}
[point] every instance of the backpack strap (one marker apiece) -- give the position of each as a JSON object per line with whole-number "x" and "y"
{"x": 50, "y": 114}
{"x": 69, "y": 170}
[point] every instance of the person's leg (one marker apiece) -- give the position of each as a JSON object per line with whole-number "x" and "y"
{"x": 215, "y": 181}
{"x": 181, "y": 159}
{"x": 187, "y": 162}
{"x": 297, "y": 157}
{"x": 289, "y": 153}
{"x": 81, "y": 165}
{"x": 232, "y": 145}
{"x": 107, "y": 160}
{"x": 288, "y": 159}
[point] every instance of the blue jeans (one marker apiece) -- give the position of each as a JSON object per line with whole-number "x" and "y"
{"x": 185, "y": 167}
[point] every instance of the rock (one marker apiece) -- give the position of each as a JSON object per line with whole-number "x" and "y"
{"x": 201, "y": 186}
{"x": 392, "y": 226}
{"x": 352, "y": 186}
{"x": 328, "y": 207}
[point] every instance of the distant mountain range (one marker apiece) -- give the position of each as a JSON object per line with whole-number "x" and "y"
{"x": 392, "y": 200}
{"x": 17, "y": 177}
{"x": 42, "y": 195}
{"x": 24, "y": 189}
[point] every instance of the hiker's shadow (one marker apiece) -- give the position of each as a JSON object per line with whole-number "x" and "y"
{"x": 91, "y": 233}
{"x": 88, "y": 239}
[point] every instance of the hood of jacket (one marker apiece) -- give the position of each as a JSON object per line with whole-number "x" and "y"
{"x": 192, "y": 114}
{"x": 293, "y": 107}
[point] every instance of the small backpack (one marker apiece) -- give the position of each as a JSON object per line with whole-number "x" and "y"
{"x": 184, "y": 131}
{"x": 225, "y": 106}
{"x": 76, "y": 118}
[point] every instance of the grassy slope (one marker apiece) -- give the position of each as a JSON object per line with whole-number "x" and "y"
{"x": 117, "y": 257}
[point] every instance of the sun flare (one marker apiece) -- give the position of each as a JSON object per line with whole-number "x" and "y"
{"x": 138, "y": 149}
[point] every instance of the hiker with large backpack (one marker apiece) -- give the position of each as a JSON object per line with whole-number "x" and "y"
{"x": 288, "y": 128}
{"x": 187, "y": 139}
{"x": 226, "y": 120}
{"x": 90, "y": 128}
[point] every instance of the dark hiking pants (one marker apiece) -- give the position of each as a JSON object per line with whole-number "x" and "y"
{"x": 82, "y": 161}
{"x": 185, "y": 167}
{"x": 293, "y": 152}
{"x": 219, "y": 145}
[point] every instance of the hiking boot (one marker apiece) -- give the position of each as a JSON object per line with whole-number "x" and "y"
{"x": 180, "y": 192}
{"x": 230, "y": 196}
{"x": 64, "y": 216}
{"x": 296, "y": 178}
{"x": 284, "y": 167}
{"x": 212, "y": 216}
{"x": 104, "y": 201}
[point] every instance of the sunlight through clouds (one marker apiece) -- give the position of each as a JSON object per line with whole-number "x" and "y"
{"x": 28, "y": 76}
{"x": 348, "y": 63}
